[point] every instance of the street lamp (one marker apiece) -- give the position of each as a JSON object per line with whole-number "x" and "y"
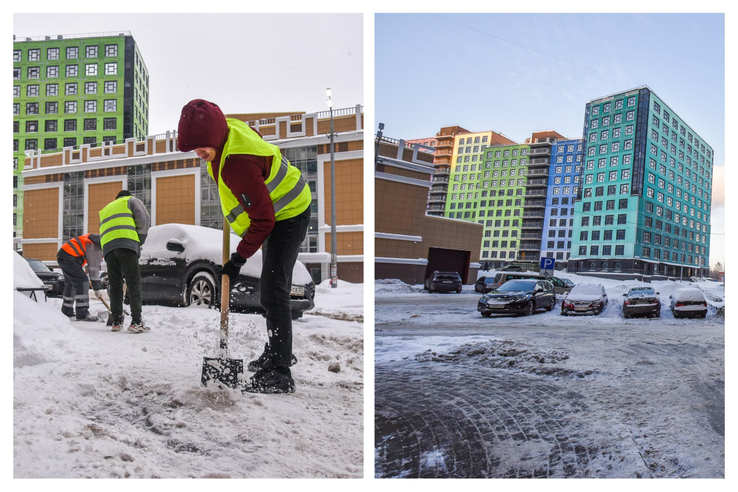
{"x": 334, "y": 257}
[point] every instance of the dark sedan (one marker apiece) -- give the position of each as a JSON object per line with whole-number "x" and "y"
{"x": 179, "y": 265}
{"x": 518, "y": 297}
{"x": 484, "y": 284}
{"x": 641, "y": 301}
{"x": 443, "y": 282}
{"x": 53, "y": 281}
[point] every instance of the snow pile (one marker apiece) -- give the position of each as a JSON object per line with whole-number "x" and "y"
{"x": 393, "y": 286}
{"x": 345, "y": 302}
{"x": 24, "y": 276}
{"x": 91, "y": 403}
{"x": 506, "y": 354}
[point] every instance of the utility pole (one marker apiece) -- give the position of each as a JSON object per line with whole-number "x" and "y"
{"x": 334, "y": 257}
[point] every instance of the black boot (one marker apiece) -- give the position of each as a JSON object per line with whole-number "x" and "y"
{"x": 271, "y": 379}
{"x": 258, "y": 364}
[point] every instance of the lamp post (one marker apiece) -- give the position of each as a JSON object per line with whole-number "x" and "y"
{"x": 334, "y": 257}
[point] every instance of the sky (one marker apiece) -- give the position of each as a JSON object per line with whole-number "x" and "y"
{"x": 246, "y": 63}
{"x": 520, "y": 73}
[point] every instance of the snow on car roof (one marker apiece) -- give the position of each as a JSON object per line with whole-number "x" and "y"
{"x": 688, "y": 294}
{"x": 588, "y": 289}
{"x": 205, "y": 243}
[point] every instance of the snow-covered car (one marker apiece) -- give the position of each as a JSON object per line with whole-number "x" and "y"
{"x": 641, "y": 301}
{"x": 688, "y": 303}
{"x": 179, "y": 265}
{"x": 443, "y": 282}
{"x": 53, "y": 281}
{"x": 523, "y": 296}
{"x": 584, "y": 299}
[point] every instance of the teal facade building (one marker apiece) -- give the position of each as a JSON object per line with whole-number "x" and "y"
{"x": 643, "y": 205}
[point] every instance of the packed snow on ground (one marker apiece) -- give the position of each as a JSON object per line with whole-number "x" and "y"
{"x": 91, "y": 403}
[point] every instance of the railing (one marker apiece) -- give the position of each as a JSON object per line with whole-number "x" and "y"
{"x": 531, "y": 236}
{"x": 538, "y": 162}
{"x": 533, "y": 215}
{"x": 540, "y": 172}
{"x": 537, "y": 182}
{"x": 531, "y": 193}
{"x": 338, "y": 112}
{"x": 71, "y": 36}
{"x": 541, "y": 151}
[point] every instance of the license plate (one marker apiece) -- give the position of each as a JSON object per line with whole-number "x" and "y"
{"x": 580, "y": 309}
{"x": 298, "y": 290}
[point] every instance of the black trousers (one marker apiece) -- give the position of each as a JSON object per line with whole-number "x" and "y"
{"x": 279, "y": 254}
{"x": 76, "y": 288}
{"x": 123, "y": 264}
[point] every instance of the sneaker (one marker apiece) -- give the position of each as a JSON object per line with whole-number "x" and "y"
{"x": 138, "y": 327}
{"x": 256, "y": 365}
{"x": 117, "y": 326}
{"x": 88, "y": 317}
{"x": 271, "y": 379}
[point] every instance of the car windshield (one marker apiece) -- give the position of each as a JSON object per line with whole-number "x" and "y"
{"x": 587, "y": 289}
{"x": 38, "y": 266}
{"x": 642, "y": 292}
{"x": 517, "y": 286}
{"x": 489, "y": 280}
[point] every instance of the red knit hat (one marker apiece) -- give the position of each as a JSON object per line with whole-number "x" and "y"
{"x": 201, "y": 124}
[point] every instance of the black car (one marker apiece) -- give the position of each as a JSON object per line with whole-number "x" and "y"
{"x": 53, "y": 281}
{"x": 484, "y": 284}
{"x": 443, "y": 282}
{"x": 518, "y": 296}
{"x": 641, "y": 301}
{"x": 179, "y": 265}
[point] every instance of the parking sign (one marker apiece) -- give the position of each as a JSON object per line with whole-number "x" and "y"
{"x": 547, "y": 263}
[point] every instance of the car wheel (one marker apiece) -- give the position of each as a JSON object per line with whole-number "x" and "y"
{"x": 486, "y": 315}
{"x": 552, "y": 305}
{"x": 529, "y": 309}
{"x": 458, "y": 291}
{"x": 564, "y": 312}
{"x": 201, "y": 291}
{"x": 626, "y": 314}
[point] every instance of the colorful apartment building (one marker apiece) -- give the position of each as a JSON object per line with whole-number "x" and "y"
{"x": 646, "y": 187}
{"x": 563, "y": 185}
{"x": 74, "y": 90}
{"x": 64, "y": 191}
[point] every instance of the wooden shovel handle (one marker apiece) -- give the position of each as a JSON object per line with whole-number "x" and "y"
{"x": 225, "y": 287}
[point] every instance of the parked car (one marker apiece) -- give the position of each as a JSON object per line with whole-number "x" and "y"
{"x": 53, "y": 281}
{"x": 179, "y": 265}
{"x": 560, "y": 286}
{"x": 484, "y": 284}
{"x": 443, "y": 282}
{"x": 522, "y": 296}
{"x": 688, "y": 303}
{"x": 511, "y": 268}
{"x": 585, "y": 299}
{"x": 641, "y": 301}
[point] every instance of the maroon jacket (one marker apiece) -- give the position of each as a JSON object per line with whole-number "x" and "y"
{"x": 202, "y": 124}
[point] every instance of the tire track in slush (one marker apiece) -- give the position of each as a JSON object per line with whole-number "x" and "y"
{"x": 473, "y": 422}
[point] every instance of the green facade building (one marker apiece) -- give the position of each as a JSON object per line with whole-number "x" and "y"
{"x": 488, "y": 187}
{"x": 70, "y": 91}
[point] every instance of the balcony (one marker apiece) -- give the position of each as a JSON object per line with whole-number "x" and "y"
{"x": 536, "y": 182}
{"x": 534, "y": 204}
{"x": 530, "y": 246}
{"x": 530, "y": 235}
{"x": 539, "y": 162}
{"x": 534, "y": 215}
{"x": 544, "y": 150}
{"x": 437, "y": 199}
{"x": 532, "y": 226}
{"x": 538, "y": 172}
{"x": 534, "y": 193}
{"x": 442, "y": 171}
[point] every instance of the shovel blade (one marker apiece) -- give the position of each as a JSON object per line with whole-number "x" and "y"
{"x": 220, "y": 371}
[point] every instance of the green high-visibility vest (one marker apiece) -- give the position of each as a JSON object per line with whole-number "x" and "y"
{"x": 289, "y": 192}
{"x": 116, "y": 222}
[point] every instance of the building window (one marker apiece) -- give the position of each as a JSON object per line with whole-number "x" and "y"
{"x": 49, "y": 144}
{"x": 31, "y": 144}
{"x": 33, "y": 72}
{"x": 34, "y": 55}
{"x": 52, "y": 107}
{"x": 70, "y": 89}
{"x": 70, "y": 125}
{"x": 73, "y": 52}
{"x": 71, "y": 70}
{"x": 620, "y": 250}
{"x": 111, "y": 68}
{"x": 111, "y": 50}
{"x": 31, "y": 108}
{"x": 90, "y": 87}
{"x": 31, "y": 126}
{"x": 70, "y": 107}
{"x": 32, "y": 90}
{"x": 91, "y": 51}
{"x": 90, "y": 124}
{"x": 50, "y": 126}
{"x": 90, "y": 106}
{"x": 52, "y": 90}
{"x": 91, "y": 70}
{"x": 52, "y": 72}
{"x": 110, "y": 105}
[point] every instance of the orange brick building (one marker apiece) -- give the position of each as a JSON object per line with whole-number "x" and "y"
{"x": 65, "y": 191}
{"x": 410, "y": 245}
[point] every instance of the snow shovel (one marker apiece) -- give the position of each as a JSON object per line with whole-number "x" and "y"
{"x": 223, "y": 370}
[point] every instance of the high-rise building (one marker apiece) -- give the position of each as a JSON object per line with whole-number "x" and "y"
{"x": 563, "y": 184}
{"x": 646, "y": 187}
{"x": 71, "y": 91}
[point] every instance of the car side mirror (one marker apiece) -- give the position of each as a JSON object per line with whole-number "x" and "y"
{"x": 175, "y": 245}
{"x": 625, "y": 295}
{"x": 658, "y": 293}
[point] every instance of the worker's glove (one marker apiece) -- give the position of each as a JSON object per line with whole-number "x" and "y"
{"x": 96, "y": 285}
{"x": 233, "y": 266}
